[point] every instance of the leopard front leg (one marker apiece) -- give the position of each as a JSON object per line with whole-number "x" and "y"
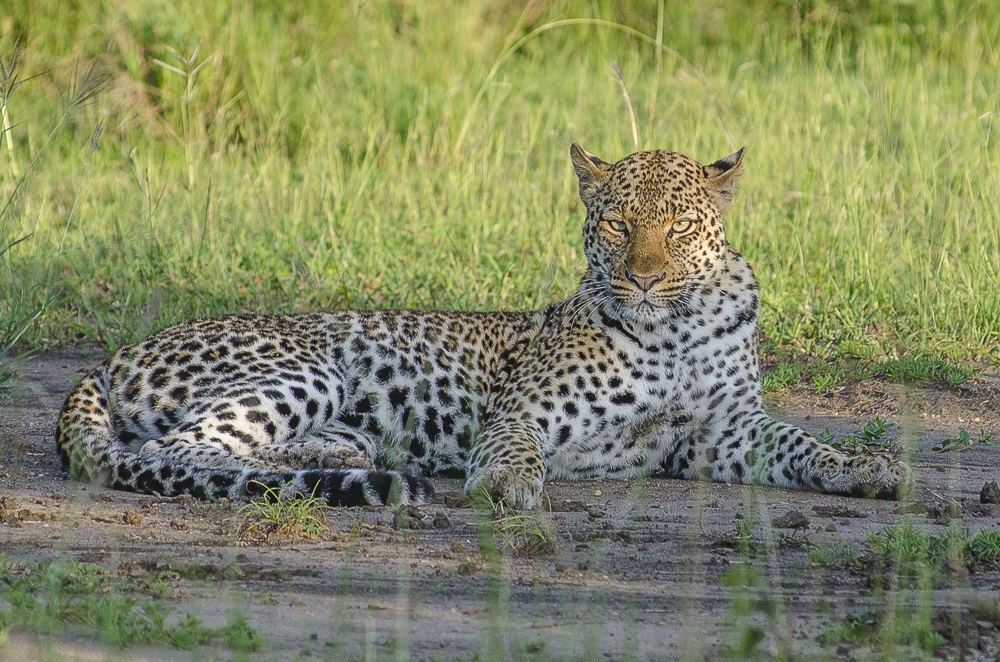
{"x": 334, "y": 446}
{"x": 760, "y": 450}
{"x": 507, "y": 463}
{"x": 783, "y": 455}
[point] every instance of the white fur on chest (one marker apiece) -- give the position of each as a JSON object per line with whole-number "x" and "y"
{"x": 695, "y": 370}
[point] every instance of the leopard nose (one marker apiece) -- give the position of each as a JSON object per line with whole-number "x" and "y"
{"x": 646, "y": 283}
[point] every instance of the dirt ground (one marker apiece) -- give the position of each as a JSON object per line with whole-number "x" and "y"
{"x": 641, "y": 570}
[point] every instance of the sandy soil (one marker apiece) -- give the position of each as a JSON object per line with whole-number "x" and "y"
{"x": 640, "y": 569}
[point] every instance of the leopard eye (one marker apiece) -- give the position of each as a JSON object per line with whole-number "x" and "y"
{"x": 681, "y": 227}
{"x": 616, "y": 226}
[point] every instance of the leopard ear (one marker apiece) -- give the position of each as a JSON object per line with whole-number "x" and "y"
{"x": 591, "y": 170}
{"x": 722, "y": 176}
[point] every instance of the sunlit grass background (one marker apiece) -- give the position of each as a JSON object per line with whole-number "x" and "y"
{"x": 162, "y": 161}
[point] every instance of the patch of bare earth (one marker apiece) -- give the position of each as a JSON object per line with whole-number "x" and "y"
{"x": 641, "y": 568}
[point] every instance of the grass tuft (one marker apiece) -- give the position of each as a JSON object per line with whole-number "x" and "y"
{"x": 239, "y": 636}
{"x": 837, "y": 555}
{"x": 515, "y": 532}
{"x": 281, "y": 514}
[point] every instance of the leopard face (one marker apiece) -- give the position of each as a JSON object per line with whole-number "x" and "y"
{"x": 654, "y": 227}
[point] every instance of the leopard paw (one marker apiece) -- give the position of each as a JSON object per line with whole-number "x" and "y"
{"x": 348, "y": 457}
{"x": 517, "y": 487}
{"x": 877, "y": 475}
{"x": 880, "y": 476}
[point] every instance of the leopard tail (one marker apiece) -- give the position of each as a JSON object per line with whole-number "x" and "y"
{"x": 92, "y": 451}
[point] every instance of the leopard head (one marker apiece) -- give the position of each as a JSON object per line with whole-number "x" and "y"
{"x": 654, "y": 226}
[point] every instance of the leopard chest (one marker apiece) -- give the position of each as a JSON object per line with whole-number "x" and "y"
{"x": 621, "y": 413}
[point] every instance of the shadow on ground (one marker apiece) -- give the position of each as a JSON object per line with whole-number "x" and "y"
{"x": 652, "y": 569}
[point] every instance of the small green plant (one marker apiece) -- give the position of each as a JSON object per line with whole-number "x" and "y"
{"x": 873, "y": 437}
{"x": 910, "y": 551}
{"x": 519, "y": 533}
{"x": 238, "y": 634}
{"x": 963, "y": 442}
{"x": 983, "y": 551}
{"x": 525, "y": 534}
{"x": 836, "y": 555}
{"x": 743, "y": 542}
{"x": 744, "y": 537}
{"x": 826, "y": 376}
{"x": 190, "y": 632}
{"x": 858, "y": 628}
{"x": 859, "y": 349}
{"x": 281, "y": 513}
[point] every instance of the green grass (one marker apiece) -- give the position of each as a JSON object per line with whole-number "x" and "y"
{"x": 902, "y": 566}
{"x": 280, "y": 158}
{"x": 281, "y": 514}
{"x": 888, "y": 632}
{"x": 506, "y": 531}
{"x": 121, "y": 611}
{"x": 914, "y": 554}
{"x": 837, "y": 554}
{"x": 847, "y": 364}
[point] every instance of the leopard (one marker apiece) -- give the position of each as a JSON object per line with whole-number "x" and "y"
{"x": 649, "y": 368}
